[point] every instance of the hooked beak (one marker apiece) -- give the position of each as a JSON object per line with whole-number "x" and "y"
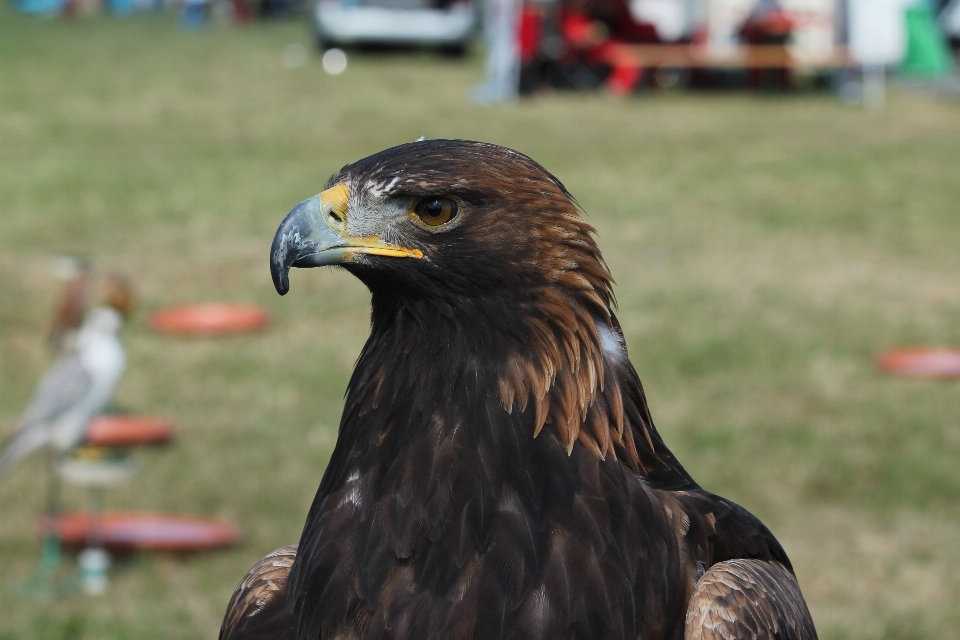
{"x": 314, "y": 234}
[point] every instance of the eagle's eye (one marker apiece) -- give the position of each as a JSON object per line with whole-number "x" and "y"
{"x": 434, "y": 211}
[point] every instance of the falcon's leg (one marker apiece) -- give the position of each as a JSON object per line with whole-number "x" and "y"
{"x": 258, "y": 609}
{"x": 53, "y": 487}
{"x": 41, "y": 582}
{"x": 748, "y": 600}
{"x": 50, "y": 553}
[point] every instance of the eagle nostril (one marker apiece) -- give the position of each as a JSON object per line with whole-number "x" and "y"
{"x": 335, "y": 217}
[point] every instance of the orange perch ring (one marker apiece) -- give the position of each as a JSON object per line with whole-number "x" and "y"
{"x": 922, "y": 362}
{"x": 128, "y": 431}
{"x": 209, "y": 319}
{"x": 129, "y": 532}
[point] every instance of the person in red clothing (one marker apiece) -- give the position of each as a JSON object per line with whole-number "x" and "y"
{"x": 575, "y": 45}
{"x": 768, "y": 24}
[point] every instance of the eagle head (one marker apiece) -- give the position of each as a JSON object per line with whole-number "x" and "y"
{"x": 449, "y": 219}
{"x": 485, "y": 252}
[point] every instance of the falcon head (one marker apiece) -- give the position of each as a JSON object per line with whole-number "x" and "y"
{"x": 118, "y": 293}
{"x": 448, "y": 219}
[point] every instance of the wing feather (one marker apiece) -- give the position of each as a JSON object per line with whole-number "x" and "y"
{"x": 61, "y": 388}
{"x": 259, "y": 609}
{"x": 748, "y": 600}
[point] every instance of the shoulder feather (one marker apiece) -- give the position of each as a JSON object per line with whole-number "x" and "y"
{"x": 258, "y": 609}
{"x": 748, "y": 600}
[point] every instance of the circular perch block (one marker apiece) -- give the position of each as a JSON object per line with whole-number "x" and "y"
{"x": 922, "y": 362}
{"x": 119, "y": 431}
{"x": 128, "y": 532}
{"x": 209, "y": 319}
{"x": 97, "y": 473}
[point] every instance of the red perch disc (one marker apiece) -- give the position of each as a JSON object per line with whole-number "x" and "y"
{"x": 922, "y": 362}
{"x": 120, "y": 431}
{"x": 209, "y": 319}
{"x": 129, "y": 532}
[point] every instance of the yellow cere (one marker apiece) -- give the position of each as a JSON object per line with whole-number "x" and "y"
{"x": 336, "y": 198}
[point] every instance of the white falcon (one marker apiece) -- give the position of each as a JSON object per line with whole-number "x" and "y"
{"x": 76, "y": 388}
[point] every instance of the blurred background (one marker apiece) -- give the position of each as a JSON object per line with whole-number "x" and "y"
{"x": 776, "y": 193}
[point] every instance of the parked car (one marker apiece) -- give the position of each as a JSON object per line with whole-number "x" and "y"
{"x": 444, "y": 24}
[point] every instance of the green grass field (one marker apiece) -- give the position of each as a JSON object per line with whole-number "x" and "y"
{"x": 765, "y": 249}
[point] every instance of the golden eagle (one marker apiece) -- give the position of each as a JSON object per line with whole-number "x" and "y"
{"x": 497, "y": 473}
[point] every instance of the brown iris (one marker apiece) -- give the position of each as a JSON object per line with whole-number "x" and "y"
{"x": 434, "y": 211}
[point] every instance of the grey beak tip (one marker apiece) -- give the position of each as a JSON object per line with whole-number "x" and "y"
{"x": 301, "y": 234}
{"x": 279, "y": 269}
{"x": 281, "y": 278}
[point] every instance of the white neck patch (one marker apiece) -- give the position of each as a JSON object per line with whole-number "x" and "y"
{"x": 611, "y": 342}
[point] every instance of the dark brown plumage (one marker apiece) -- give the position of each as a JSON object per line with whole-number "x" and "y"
{"x": 497, "y": 473}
